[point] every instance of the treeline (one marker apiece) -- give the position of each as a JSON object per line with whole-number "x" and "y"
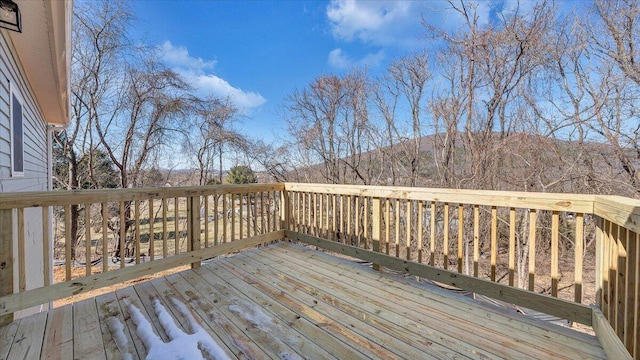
{"x": 531, "y": 99}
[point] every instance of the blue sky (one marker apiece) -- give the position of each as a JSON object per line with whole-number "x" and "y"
{"x": 258, "y": 52}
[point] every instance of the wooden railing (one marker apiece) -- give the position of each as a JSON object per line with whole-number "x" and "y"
{"x": 573, "y": 256}
{"x": 566, "y": 250}
{"x": 123, "y": 234}
{"x": 618, "y": 270}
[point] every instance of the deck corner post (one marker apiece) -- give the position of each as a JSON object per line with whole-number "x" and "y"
{"x": 376, "y": 228}
{"x": 6, "y": 260}
{"x": 285, "y": 210}
{"x": 194, "y": 226}
{"x": 599, "y": 261}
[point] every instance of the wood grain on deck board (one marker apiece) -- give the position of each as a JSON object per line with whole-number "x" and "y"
{"x": 535, "y": 333}
{"x": 286, "y": 299}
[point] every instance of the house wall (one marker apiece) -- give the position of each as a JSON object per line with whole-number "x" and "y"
{"x": 36, "y": 161}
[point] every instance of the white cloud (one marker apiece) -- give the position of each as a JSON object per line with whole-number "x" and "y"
{"x": 377, "y": 22}
{"x": 220, "y": 87}
{"x": 198, "y": 72}
{"x": 178, "y": 56}
{"x": 340, "y": 60}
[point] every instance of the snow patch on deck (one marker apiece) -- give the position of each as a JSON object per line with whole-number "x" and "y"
{"x": 198, "y": 345}
{"x": 117, "y": 328}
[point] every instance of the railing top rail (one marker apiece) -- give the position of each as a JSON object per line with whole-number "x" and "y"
{"x": 64, "y": 197}
{"x": 619, "y": 210}
{"x": 529, "y": 200}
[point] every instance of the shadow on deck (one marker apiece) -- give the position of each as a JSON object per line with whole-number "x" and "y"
{"x": 287, "y": 301}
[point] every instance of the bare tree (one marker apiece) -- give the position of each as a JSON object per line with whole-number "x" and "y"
{"x": 99, "y": 39}
{"x": 213, "y": 122}
{"x": 410, "y": 74}
{"x": 330, "y": 124}
{"x": 152, "y": 102}
{"x": 614, "y": 37}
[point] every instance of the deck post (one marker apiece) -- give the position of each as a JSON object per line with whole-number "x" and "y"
{"x": 376, "y": 228}
{"x": 6, "y": 260}
{"x": 194, "y": 226}
{"x": 285, "y": 210}
{"x": 599, "y": 260}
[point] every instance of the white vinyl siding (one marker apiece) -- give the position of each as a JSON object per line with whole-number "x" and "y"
{"x": 35, "y": 173}
{"x": 34, "y": 176}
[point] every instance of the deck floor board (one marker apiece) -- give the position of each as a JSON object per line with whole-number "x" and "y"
{"x": 165, "y": 290}
{"x": 88, "y": 342}
{"x": 307, "y": 331}
{"x": 289, "y": 301}
{"x": 110, "y": 315}
{"x": 536, "y": 346}
{"x": 355, "y": 310}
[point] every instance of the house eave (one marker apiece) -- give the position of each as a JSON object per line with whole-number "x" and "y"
{"x": 44, "y": 52}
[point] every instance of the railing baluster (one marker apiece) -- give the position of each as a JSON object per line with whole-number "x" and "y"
{"x": 87, "y": 238}
{"x": 105, "y": 240}
{"x": 334, "y": 228}
{"x": 621, "y": 280}
{"x": 476, "y": 239}
{"x": 194, "y": 224}
{"x": 397, "y": 228}
{"x": 164, "y": 228}
{"x": 308, "y": 209}
{"x": 241, "y": 213}
{"x": 327, "y": 216}
{"x": 387, "y": 206}
{"x": 206, "y": 220}
{"x": 233, "y": 217}
{"x": 356, "y": 213}
{"x": 532, "y": 249}
{"x": 494, "y": 242}
{"x": 348, "y": 233}
{"x": 432, "y": 235}
{"x": 512, "y": 246}
{"x": 67, "y": 242}
{"x": 216, "y": 219}
{"x": 420, "y": 225}
{"x": 555, "y": 223}
{"x": 176, "y": 222}
{"x": 152, "y": 231}
{"x": 137, "y": 230}
{"x": 460, "y": 237}
{"x": 408, "y": 229}
{"x": 122, "y": 234}
{"x": 365, "y": 221}
{"x": 613, "y": 274}
{"x": 298, "y": 211}
{"x": 262, "y": 214}
{"x": 224, "y": 218}
{"x": 376, "y": 228}
{"x": 445, "y": 239}
{"x": 631, "y": 299}
{"x": 320, "y": 218}
{"x": 579, "y": 253}
{"x": 254, "y": 216}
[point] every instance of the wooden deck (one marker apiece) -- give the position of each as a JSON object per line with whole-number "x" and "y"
{"x": 287, "y": 301}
